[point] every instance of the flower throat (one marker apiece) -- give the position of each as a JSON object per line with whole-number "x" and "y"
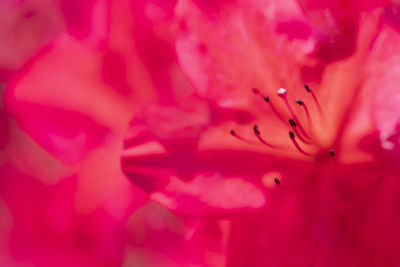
{"x": 297, "y": 130}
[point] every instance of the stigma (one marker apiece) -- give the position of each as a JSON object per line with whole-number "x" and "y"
{"x": 281, "y": 92}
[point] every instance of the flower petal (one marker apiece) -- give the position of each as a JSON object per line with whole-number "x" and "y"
{"x": 66, "y": 134}
{"x": 210, "y": 194}
{"x": 26, "y": 26}
{"x": 61, "y": 99}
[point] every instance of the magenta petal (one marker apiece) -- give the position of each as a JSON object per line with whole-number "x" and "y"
{"x": 68, "y": 135}
{"x": 212, "y": 5}
{"x": 4, "y": 135}
{"x": 77, "y": 15}
{"x": 47, "y": 228}
{"x": 161, "y": 156}
{"x": 114, "y": 72}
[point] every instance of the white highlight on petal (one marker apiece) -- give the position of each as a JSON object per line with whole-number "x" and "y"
{"x": 149, "y": 148}
{"x": 211, "y": 190}
{"x": 384, "y": 142}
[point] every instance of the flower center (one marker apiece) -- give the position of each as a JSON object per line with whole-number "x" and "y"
{"x": 298, "y": 134}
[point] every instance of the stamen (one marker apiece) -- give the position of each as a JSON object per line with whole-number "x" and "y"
{"x": 276, "y": 180}
{"x": 301, "y": 103}
{"x": 314, "y": 97}
{"x": 258, "y": 135}
{"x": 292, "y": 137}
{"x": 282, "y": 93}
{"x": 293, "y": 124}
{"x": 235, "y": 134}
{"x": 332, "y": 153}
{"x": 306, "y": 110}
{"x": 266, "y": 98}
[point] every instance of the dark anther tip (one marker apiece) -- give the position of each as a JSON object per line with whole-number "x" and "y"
{"x": 277, "y": 181}
{"x": 256, "y": 131}
{"x": 266, "y": 98}
{"x": 292, "y": 123}
{"x": 232, "y": 132}
{"x": 255, "y": 91}
{"x": 307, "y": 88}
{"x": 332, "y": 153}
{"x": 291, "y": 134}
{"x": 299, "y": 101}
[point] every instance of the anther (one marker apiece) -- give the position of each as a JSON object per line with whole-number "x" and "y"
{"x": 307, "y": 88}
{"x": 266, "y": 98}
{"x": 233, "y": 132}
{"x": 276, "y": 180}
{"x": 299, "y": 101}
{"x": 256, "y": 131}
{"x": 291, "y": 134}
{"x": 292, "y": 123}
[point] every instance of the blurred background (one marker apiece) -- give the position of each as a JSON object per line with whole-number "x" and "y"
{"x": 71, "y": 79}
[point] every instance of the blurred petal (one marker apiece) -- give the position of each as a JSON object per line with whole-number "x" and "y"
{"x": 26, "y": 26}
{"x": 50, "y": 100}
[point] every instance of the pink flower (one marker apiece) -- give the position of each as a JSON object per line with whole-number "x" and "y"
{"x": 259, "y": 177}
{"x": 317, "y": 179}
